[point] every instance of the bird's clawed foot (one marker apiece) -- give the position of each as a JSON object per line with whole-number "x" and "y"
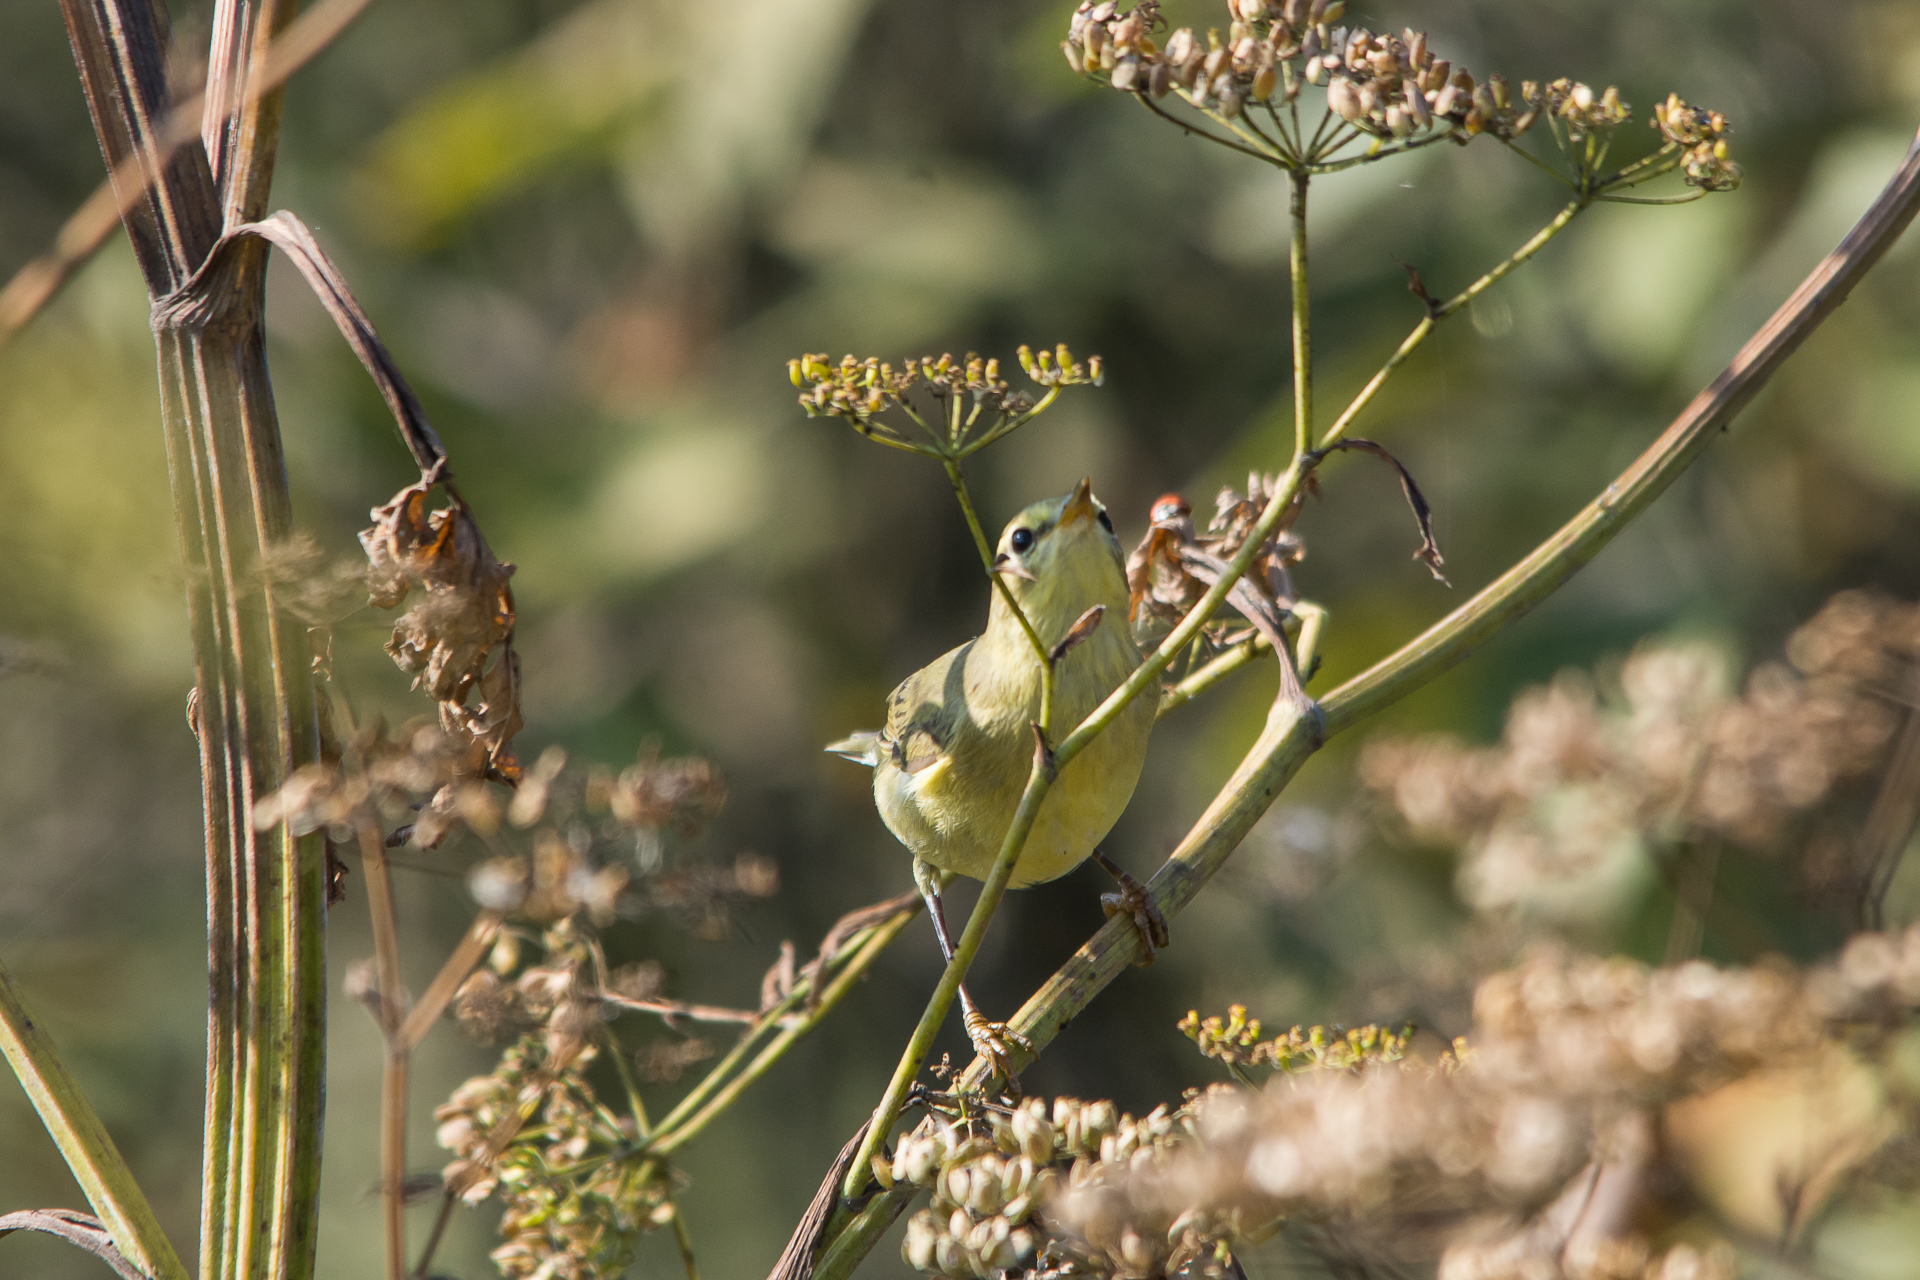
{"x": 995, "y": 1041}
{"x": 1134, "y": 902}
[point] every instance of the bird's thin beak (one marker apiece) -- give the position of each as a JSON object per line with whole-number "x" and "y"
{"x": 1004, "y": 563}
{"x": 1079, "y": 504}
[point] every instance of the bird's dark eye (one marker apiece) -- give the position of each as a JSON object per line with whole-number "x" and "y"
{"x": 1021, "y": 539}
{"x": 1106, "y": 523}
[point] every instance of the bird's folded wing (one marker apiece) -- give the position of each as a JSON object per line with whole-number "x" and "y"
{"x": 919, "y": 724}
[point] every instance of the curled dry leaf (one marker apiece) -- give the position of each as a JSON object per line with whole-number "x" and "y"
{"x": 457, "y": 638}
{"x": 1429, "y": 550}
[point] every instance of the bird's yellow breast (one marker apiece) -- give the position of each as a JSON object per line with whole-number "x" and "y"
{"x": 955, "y": 812}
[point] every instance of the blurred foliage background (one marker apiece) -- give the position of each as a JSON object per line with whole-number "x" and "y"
{"x": 592, "y": 233}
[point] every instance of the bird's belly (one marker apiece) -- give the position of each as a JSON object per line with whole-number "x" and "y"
{"x": 955, "y": 814}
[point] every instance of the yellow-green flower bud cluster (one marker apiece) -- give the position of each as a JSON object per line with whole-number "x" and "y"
{"x": 1057, "y": 368}
{"x": 1703, "y": 136}
{"x": 861, "y": 391}
{"x": 1236, "y": 1041}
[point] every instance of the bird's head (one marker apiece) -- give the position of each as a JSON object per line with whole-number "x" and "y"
{"x": 1059, "y": 557}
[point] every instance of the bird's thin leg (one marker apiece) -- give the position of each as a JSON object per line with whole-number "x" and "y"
{"x": 991, "y": 1040}
{"x": 1136, "y": 904}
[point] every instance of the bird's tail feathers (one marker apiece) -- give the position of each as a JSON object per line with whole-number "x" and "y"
{"x": 861, "y": 748}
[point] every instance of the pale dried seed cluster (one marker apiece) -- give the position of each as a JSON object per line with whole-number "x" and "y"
{"x": 1385, "y": 85}
{"x": 1703, "y": 135}
{"x": 1406, "y": 1155}
{"x": 1043, "y": 1191}
{"x": 371, "y": 774}
{"x": 1675, "y": 756}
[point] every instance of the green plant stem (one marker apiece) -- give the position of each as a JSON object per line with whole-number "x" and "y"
{"x": 1293, "y": 733}
{"x": 1321, "y": 168}
{"x": 83, "y": 1141}
{"x": 642, "y": 1127}
{"x": 1302, "y": 320}
{"x": 255, "y": 716}
{"x": 1312, "y": 620}
{"x": 1147, "y": 101}
{"x": 959, "y": 483}
{"x": 1008, "y": 427}
{"x": 856, "y": 961}
{"x": 921, "y": 1042}
{"x": 1441, "y": 311}
{"x": 856, "y": 1240}
{"x": 1515, "y": 592}
{"x": 668, "y": 1141}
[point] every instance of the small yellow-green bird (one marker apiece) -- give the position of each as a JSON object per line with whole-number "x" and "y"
{"x": 950, "y": 767}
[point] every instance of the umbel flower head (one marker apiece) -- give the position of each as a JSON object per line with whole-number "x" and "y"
{"x": 872, "y": 395}
{"x": 1389, "y": 86}
{"x": 1385, "y": 87}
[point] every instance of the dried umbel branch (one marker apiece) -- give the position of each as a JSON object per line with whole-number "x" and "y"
{"x": 577, "y": 1191}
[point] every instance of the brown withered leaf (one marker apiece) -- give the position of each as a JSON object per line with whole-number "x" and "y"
{"x": 457, "y": 638}
{"x": 1159, "y": 590}
{"x": 1173, "y": 566}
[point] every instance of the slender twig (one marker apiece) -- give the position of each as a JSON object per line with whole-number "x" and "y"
{"x": 1147, "y": 101}
{"x": 1245, "y": 654}
{"x": 1689, "y": 198}
{"x": 440, "y": 1220}
{"x": 667, "y": 1141}
{"x": 1441, "y": 311}
{"x": 1008, "y": 426}
{"x": 920, "y": 1044}
{"x": 1540, "y": 164}
{"x": 1322, "y": 168}
{"x": 1236, "y": 659}
{"x": 672, "y": 1010}
{"x": 683, "y": 1237}
{"x": 854, "y": 960}
{"x": 985, "y": 548}
{"x": 393, "y": 1074}
{"x": 1302, "y": 321}
{"x": 1517, "y": 591}
{"x": 446, "y": 984}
